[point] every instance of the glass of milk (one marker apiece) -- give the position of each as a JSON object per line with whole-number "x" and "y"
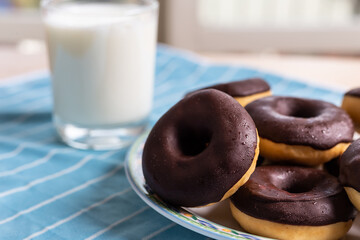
{"x": 102, "y": 61}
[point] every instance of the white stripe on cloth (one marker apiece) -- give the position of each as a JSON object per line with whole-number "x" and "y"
{"x": 32, "y": 131}
{"x": 36, "y": 95}
{"x": 196, "y": 74}
{"x": 228, "y": 75}
{"x": 62, "y": 195}
{"x": 161, "y": 230}
{"x": 36, "y": 162}
{"x": 97, "y": 234}
{"x": 47, "y": 178}
{"x": 164, "y": 74}
{"x": 22, "y": 146}
{"x": 68, "y": 170}
{"x": 165, "y": 101}
{"x": 65, "y": 220}
{"x": 23, "y": 117}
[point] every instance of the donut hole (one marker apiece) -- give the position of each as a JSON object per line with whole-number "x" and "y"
{"x": 298, "y": 187}
{"x": 297, "y": 109}
{"x": 303, "y": 113}
{"x": 192, "y": 142}
{"x": 293, "y": 182}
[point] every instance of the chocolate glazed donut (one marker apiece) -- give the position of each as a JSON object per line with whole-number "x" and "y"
{"x": 201, "y": 151}
{"x": 293, "y": 203}
{"x": 349, "y": 172}
{"x": 304, "y": 131}
{"x": 351, "y": 103}
{"x": 244, "y": 91}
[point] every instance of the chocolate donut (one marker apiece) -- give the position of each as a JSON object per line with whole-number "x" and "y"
{"x": 349, "y": 172}
{"x": 351, "y": 103}
{"x": 295, "y": 203}
{"x": 244, "y": 91}
{"x": 304, "y": 131}
{"x": 201, "y": 151}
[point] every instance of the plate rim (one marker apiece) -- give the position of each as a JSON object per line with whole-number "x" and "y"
{"x": 155, "y": 204}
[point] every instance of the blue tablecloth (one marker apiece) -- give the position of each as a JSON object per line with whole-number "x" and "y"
{"x": 50, "y": 191}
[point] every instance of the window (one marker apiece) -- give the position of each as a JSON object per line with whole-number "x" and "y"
{"x": 320, "y": 26}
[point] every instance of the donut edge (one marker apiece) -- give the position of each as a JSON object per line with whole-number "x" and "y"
{"x": 285, "y": 231}
{"x": 305, "y": 155}
{"x": 354, "y": 196}
{"x": 247, "y": 175}
{"x": 350, "y": 105}
{"x": 250, "y": 98}
{"x": 244, "y": 178}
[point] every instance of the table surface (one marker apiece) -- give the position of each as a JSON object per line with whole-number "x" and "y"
{"x": 54, "y": 192}
{"x": 333, "y": 71}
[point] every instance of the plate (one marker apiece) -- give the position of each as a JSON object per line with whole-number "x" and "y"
{"x": 213, "y": 221}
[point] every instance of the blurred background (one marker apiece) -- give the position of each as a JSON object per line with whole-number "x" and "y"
{"x": 216, "y": 27}
{"x": 305, "y": 26}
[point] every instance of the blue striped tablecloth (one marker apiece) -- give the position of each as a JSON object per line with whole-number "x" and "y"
{"x": 50, "y": 191}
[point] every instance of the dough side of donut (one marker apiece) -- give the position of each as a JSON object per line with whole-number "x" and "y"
{"x": 354, "y": 196}
{"x": 351, "y": 105}
{"x": 304, "y": 155}
{"x": 248, "y": 99}
{"x": 244, "y": 178}
{"x": 284, "y": 231}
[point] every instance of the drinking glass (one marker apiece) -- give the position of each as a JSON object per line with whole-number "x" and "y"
{"x": 102, "y": 60}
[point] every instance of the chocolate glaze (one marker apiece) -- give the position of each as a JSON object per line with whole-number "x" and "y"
{"x": 298, "y": 121}
{"x": 295, "y": 196}
{"x": 241, "y": 88}
{"x": 199, "y": 149}
{"x": 350, "y": 166}
{"x": 353, "y": 92}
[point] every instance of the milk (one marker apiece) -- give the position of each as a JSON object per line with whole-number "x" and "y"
{"x": 102, "y": 62}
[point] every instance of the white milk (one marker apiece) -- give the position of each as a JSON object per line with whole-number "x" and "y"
{"x": 102, "y": 60}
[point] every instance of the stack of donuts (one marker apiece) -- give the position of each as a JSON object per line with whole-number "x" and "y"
{"x": 205, "y": 149}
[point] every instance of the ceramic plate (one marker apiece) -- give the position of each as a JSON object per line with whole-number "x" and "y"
{"x": 214, "y": 221}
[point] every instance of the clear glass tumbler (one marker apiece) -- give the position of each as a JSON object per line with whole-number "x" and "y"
{"x": 102, "y": 61}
